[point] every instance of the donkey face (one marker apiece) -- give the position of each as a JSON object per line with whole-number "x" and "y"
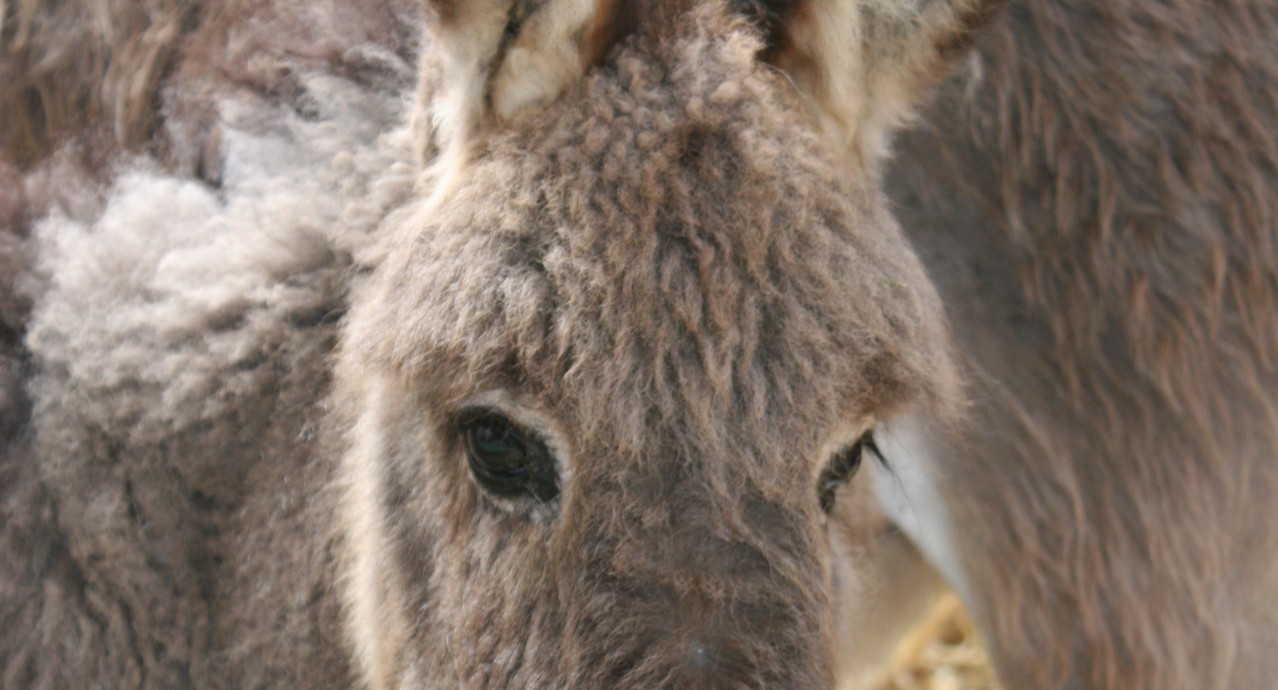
{"x": 608, "y": 377}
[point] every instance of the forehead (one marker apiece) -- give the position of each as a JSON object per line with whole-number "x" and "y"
{"x": 667, "y": 243}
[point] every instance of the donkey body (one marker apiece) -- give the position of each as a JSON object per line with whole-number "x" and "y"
{"x": 1095, "y": 200}
{"x": 254, "y": 370}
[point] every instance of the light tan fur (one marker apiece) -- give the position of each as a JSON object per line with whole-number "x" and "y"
{"x": 863, "y": 64}
{"x": 485, "y": 77}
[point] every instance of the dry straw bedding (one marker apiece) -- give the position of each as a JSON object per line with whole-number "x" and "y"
{"x": 944, "y": 653}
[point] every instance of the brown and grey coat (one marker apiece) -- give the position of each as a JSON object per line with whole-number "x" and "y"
{"x": 260, "y": 262}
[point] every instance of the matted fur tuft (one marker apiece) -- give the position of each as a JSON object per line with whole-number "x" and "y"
{"x": 180, "y": 335}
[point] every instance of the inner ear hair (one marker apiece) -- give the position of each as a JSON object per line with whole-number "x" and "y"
{"x": 864, "y": 64}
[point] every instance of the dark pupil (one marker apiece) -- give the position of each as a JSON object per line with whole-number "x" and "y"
{"x": 507, "y": 461}
{"x": 839, "y": 471}
{"x": 494, "y": 442}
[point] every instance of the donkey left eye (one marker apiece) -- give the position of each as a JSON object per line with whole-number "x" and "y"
{"x": 842, "y": 468}
{"x": 505, "y": 459}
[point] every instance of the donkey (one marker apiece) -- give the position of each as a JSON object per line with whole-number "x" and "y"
{"x": 541, "y": 348}
{"x": 1096, "y": 199}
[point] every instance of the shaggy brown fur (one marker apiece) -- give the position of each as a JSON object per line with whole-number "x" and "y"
{"x": 1097, "y": 199}
{"x": 169, "y": 498}
{"x": 13, "y": 307}
{"x": 639, "y": 235}
{"x": 85, "y": 68}
{"x": 97, "y": 72}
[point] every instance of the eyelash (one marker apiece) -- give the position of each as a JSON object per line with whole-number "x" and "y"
{"x": 843, "y": 467}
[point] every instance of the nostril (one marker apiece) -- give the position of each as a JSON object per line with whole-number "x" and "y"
{"x": 700, "y": 656}
{"x": 710, "y": 662}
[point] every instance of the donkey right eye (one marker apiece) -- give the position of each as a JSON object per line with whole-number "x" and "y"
{"x": 506, "y": 460}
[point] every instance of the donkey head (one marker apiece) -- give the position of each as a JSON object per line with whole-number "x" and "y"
{"x": 604, "y": 386}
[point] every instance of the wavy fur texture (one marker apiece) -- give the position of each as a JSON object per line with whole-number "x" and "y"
{"x": 257, "y": 257}
{"x": 1100, "y": 182}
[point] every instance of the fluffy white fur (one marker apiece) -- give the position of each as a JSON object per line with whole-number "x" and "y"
{"x": 212, "y": 266}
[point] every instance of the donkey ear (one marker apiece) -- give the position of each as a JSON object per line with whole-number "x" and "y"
{"x": 864, "y": 64}
{"x": 489, "y": 59}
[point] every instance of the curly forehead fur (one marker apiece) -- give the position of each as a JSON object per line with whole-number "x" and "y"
{"x": 671, "y": 229}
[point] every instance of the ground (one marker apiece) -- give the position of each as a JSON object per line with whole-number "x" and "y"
{"x": 944, "y": 653}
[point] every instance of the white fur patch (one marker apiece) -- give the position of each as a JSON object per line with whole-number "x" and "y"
{"x": 176, "y": 284}
{"x": 545, "y": 59}
{"x": 912, "y": 499}
{"x": 364, "y": 589}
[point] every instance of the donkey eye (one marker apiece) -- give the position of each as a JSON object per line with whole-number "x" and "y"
{"x": 842, "y": 468}
{"x": 506, "y": 460}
